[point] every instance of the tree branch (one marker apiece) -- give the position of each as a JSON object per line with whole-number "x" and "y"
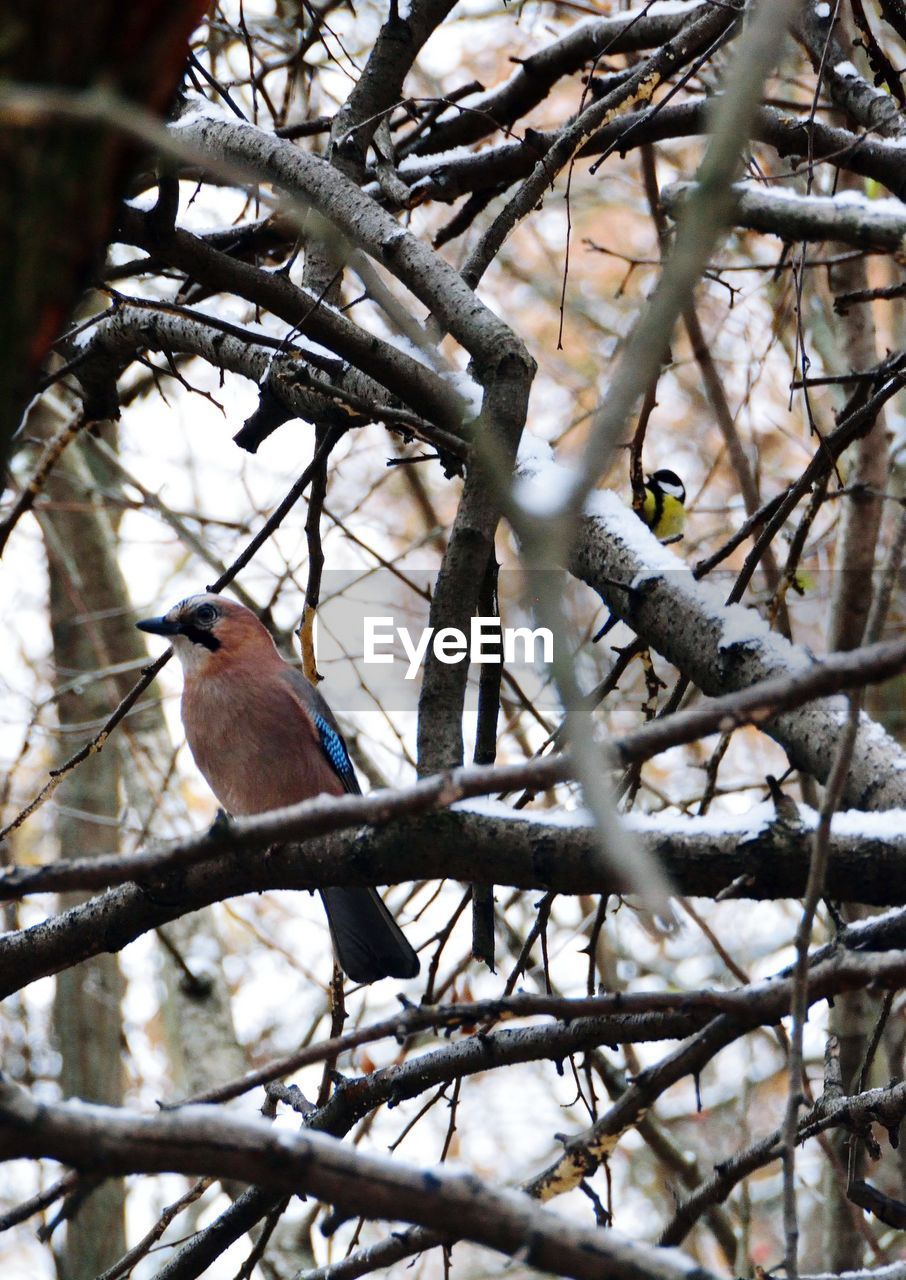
{"x": 866, "y": 224}
{"x": 204, "y": 1142}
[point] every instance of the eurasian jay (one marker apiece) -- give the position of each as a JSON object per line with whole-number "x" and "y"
{"x": 264, "y": 737}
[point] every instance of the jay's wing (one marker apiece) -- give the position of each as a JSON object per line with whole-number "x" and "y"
{"x": 332, "y": 743}
{"x": 368, "y": 942}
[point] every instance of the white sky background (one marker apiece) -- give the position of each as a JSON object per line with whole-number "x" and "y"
{"x": 183, "y": 452}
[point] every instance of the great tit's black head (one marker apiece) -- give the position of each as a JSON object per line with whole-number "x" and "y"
{"x": 669, "y": 483}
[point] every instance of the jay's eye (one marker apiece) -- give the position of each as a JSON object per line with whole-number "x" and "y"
{"x": 205, "y": 614}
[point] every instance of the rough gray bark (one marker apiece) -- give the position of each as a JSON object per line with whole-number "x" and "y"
{"x": 528, "y": 855}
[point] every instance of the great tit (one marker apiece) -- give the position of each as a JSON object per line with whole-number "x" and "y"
{"x": 663, "y": 508}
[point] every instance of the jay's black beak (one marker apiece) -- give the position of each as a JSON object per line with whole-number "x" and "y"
{"x": 159, "y": 626}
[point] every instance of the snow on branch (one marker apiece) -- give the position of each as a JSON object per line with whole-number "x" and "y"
{"x": 848, "y": 216}
{"x": 293, "y": 378}
{"x": 754, "y": 856}
{"x": 361, "y": 221}
{"x": 719, "y": 647}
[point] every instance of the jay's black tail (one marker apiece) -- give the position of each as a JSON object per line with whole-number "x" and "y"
{"x": 367, "y": 940}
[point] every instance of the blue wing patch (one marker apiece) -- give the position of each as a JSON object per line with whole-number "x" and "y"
{"x": 335, "y": 749}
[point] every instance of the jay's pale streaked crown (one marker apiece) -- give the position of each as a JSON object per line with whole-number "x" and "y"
{"x": 264, "y": 737}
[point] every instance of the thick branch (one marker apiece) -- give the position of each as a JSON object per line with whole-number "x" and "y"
{"x": 871, "y": 107}
{"x": 789, "y": 135}
{"x": 771, "y": 863}
{"x": 363, "y": 223}
{"x": 476, "y": 117}
{"x": 753, "y": 704}
{"x": 849, "y": 217}
{"x": 384, "y": 365}
{"x": 723, "y": 647}
{"x": 763, "y": 1002}
{"x": 201, "y": 1141}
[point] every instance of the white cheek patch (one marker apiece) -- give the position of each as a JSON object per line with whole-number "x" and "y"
{"x": 192, "y": 656}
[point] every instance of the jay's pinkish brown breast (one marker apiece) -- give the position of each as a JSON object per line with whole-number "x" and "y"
{"x": 254, "y": 743}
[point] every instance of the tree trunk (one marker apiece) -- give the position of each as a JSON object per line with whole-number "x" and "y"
{"x": 87, "y": 1015}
